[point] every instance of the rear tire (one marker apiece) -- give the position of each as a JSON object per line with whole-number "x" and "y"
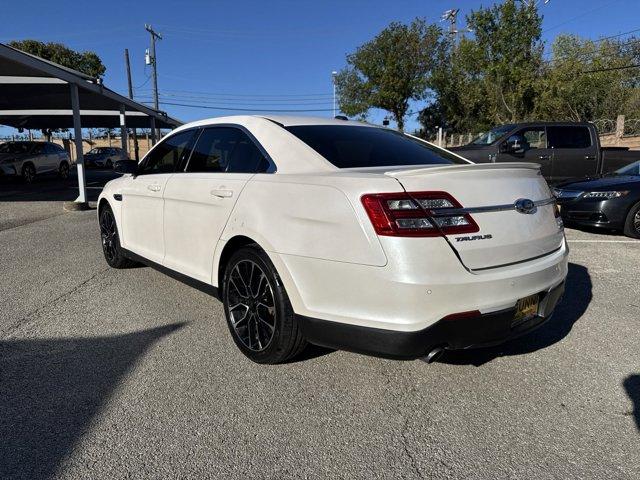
{"x": 258, "y": 311}
{"x": 111, "y": 248}
{"x": 632, "y": 223}
{"x": 28, "y": 173}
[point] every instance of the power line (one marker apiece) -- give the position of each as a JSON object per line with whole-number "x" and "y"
{"x": 593, "y": 54}
{"x": 256, "y": 95}
{"x": 579, "y": 16}
{"x": 227, "y": 101}
{"x": 211, "y": 107}
{"x": 608, "y": 69}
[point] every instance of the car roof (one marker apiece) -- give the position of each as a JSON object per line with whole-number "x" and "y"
{"x": 282, "y": 120}
{"x": 298, "y": 120}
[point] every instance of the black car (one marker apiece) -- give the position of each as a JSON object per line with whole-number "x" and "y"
{"x": 609, "y": 201}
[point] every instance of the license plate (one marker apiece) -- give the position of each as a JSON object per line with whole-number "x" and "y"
{"x": 526, "y": 307}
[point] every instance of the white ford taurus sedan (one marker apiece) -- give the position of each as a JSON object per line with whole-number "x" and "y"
{"x": 341, "y": 234}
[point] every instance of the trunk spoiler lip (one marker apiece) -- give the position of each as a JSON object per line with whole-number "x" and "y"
{"x": 462, "y": 168}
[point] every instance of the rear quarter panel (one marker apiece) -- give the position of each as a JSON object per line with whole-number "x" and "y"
{"x": 312, "y": 216}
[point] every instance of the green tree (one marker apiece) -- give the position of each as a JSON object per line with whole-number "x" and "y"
{"x": 493, "y": 76}
{"x": 86, "y": 62}
{"x": 586, "y": 80}
{"x": 390, "y": 70}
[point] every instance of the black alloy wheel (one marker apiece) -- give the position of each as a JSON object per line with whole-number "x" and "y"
{"x": 632, "y": 223}
{"x": 28, "y": 173}
{"x": 110, "y": 241}
{"x": 258, "y": 311}
{"x": 63, "y": 171}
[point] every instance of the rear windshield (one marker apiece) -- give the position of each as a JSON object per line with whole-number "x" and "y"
{"x": 358, "y": 147}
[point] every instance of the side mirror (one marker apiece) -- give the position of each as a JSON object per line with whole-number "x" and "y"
{"x": 126, "y": 167}
{"x": 513, "y": 144}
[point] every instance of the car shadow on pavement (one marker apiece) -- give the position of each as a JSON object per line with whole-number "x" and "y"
{"x": 50, "y": 188}
{"x": 52, "y": 389}
{"x": 631, "y": 385}
{"x": 577, "y": 297}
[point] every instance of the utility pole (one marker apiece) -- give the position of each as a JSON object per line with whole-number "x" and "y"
{"x": 333, "y": 79}
{"x": 135, "y": 135}
{"x": 154, "y": 64}
{"x": 451, "y": 16}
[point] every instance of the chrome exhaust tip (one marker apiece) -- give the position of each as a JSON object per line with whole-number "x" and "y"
{"x": 433, "y": 355}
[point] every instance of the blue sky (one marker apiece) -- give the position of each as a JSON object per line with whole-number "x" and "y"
{"x": 272, "y": 53}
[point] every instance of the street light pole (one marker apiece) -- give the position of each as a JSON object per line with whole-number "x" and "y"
{"x": 333, "y": 79}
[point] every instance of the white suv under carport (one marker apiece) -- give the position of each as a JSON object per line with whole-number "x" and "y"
{"x": 28, "y": 159}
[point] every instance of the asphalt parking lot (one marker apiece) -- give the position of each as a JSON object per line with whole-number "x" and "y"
{"x": 127, "y": 373}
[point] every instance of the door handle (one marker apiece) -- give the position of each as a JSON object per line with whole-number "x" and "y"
{"x": 154, "y": 187}
{"x": 544, "y": 157}
{"x": 589, "y": 157}
{"x": 222, "y": 193}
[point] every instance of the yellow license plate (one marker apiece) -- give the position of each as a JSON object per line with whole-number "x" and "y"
{"x": 526, "y": 307}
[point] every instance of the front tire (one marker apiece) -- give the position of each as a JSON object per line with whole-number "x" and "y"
{"x": 258, "y": 311}
{"x": 28, "y": 173}
{"x": 63, "y": 171}
{"x": 632, "y": 223}
{"x": 111, "y": 241}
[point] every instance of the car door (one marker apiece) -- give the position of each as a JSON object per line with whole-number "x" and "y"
{"x": 574, "y": 152}
{"x": 530, "y": 145}
{"x": 199, "y": 201}
{"x": 38, "y": 157}
{"x": 142, "y": 196}
{"x": 50, "y": 155}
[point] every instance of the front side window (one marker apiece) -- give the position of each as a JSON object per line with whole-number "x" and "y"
{"x": 38, "y": 149}
{"x": 168, "y": 154}
{"x": 50, "y": 148}
{"x": 358, "y": 147}
{"x": 493, "y": 135}
{"x": 533, "y": 138}
{"x": 569, "y": 137}
{"x": 226, "y": 149}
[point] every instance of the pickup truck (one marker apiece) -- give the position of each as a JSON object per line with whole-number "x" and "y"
{"x": 564, "y": 150}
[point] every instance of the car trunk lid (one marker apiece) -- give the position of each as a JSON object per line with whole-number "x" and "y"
{"x": 510, "y": 202}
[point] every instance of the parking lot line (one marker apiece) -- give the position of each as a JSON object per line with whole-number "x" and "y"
{"x": 604, "y": 241}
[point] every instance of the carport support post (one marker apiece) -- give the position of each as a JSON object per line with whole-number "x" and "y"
{"x": 80, "y": 202}
{"x": 153, "y": 131}
{"x": 123, "y": 131}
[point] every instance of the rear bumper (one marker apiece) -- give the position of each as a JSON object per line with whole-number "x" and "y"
{"x": 483, "y": 330}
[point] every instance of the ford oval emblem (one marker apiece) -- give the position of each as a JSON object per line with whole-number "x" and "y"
{"x": 526, "y": 206}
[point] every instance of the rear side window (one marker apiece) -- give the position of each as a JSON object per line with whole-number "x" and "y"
{"x": 168, "y": 154}
{"x": 226, "y": 149}
{"x": 569, "y": 137}
{"x": 356, "y": 147}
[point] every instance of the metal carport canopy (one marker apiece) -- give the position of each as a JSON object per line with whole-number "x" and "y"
{"x": 38, "y": 94}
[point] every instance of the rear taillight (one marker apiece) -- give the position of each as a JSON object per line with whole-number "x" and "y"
{"x": 413, "y": 214}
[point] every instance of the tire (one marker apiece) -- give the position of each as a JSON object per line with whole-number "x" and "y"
{"x": 111, "y": 241}
{"x": 63, "y": 171}
{"x": 257, "y": 308}
{"x": 28, "y": 173}
{"x": 108, "y": 164}
{"x": 632, "y": 223}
